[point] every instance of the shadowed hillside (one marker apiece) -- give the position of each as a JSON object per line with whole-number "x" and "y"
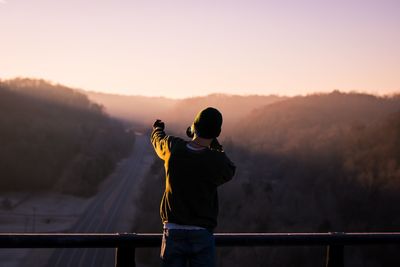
{"x": 317, "y": 163}
{"x": 312, "y": 120}
{"x": 52, "y": 137}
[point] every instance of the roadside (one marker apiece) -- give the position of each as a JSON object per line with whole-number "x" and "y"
{"x": 64, "y": 213}
{"x": 48, "y": 212}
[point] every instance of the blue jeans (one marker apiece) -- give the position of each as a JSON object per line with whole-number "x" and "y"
{"x": 193, "y": 248}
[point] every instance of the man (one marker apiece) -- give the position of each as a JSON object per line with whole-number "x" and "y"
{"x": 189, "y": 207}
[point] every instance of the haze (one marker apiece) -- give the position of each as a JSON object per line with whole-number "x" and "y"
{"x": 186, "y": 48}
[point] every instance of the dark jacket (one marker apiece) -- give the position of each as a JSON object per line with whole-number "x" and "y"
{"x": 192, "y": 178}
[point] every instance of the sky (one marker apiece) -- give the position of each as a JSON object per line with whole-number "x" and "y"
{"x": 189, "y": 48}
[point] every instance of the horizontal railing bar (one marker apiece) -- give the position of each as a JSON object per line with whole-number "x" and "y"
{"x": 112, "y": 240}
{"x": 307, "y": 239}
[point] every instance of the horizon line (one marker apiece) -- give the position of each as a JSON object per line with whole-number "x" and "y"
{"x": 393, "y": 92}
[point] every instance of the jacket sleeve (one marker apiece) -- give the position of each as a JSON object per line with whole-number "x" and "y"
{"x": 161, "y": 142}
{"x": 228, "y": 170}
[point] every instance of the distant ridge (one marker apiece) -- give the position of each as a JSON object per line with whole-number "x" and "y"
{"x": 179, "y": 112}
{"x": 139, "y": 109}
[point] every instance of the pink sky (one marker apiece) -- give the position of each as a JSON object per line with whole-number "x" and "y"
{"x": 185, "y": 48}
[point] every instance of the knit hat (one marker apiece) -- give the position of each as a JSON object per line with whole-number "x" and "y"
{"x": 208, "y": 122}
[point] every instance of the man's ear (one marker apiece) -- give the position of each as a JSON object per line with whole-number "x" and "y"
{"x": 189, "y": 132}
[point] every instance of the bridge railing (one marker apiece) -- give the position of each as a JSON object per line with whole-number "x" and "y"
{"x": 126, "y": 243}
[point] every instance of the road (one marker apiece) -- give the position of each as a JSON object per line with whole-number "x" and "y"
{"x": 109, "y": 211}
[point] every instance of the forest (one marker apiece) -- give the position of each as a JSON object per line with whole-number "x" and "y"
{"x": 316, "y": 163}
{"x": 53, "y": 138}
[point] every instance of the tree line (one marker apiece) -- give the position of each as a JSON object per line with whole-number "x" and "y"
{"x": 53, "y": 138}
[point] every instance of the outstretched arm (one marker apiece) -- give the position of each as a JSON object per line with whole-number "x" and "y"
{"x": 159, "y": 139}
{"x": 162, "y": 142}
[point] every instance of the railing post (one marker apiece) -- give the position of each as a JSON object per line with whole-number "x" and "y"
{"x": 125, "y": 256}
{"x": 335, "y": 256}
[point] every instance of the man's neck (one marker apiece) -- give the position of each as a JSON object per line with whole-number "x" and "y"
{"x": 202, "y": 142}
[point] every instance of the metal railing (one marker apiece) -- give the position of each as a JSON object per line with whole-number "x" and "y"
{"x": 126, "y": 243}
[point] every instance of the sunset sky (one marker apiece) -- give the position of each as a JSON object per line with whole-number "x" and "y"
{"x": 189, "y": 48}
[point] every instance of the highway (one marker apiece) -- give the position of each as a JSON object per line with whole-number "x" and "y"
{"x": 110, "y": 206}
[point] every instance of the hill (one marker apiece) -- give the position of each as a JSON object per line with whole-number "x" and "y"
{"x": 53, "y": 137}
{"x": 313, "y": 119}
{"x": 318, "y": 163}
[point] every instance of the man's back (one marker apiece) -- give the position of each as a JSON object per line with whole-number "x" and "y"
{"x": 192, "y": 178}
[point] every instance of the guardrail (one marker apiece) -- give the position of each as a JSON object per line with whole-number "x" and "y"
{"x": 126, "y": 243}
